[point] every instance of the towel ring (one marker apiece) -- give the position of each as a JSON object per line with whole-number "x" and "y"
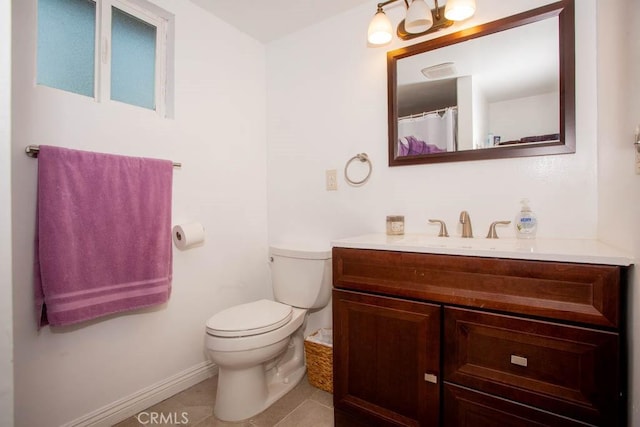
{"x": 363, "y": 158}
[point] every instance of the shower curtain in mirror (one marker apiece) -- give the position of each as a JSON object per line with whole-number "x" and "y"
{"x": 431, "y": 132}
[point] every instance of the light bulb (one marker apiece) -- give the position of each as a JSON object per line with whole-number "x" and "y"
{"x": 459, "y": 10}
{"x": 380, "y": 29}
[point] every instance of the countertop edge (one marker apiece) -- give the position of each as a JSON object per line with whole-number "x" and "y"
{"x": 607, "y": 255}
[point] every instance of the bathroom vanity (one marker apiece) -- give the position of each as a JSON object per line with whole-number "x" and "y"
{"x": 475, "y": 332}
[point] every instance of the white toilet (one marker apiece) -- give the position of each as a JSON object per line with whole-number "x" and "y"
{"x": 259, "y": 346}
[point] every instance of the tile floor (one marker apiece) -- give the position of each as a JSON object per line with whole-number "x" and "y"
{"x": 305, "y": 406}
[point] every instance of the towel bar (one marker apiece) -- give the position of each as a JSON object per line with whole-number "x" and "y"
{"x": 33, "y": 150}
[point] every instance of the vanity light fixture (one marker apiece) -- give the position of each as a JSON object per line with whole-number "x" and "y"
{"x": 419, "y": 19}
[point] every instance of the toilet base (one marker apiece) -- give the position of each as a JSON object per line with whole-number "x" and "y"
{"x": 247, "y": 391}
{"x": 278, "y": 387}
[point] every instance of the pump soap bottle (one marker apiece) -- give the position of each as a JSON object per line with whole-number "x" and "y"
{"x": 526, "y": 222}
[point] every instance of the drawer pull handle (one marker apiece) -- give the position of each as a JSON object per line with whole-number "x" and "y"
{"x": 430, "y": 378}
{"x": 519, "y": 360}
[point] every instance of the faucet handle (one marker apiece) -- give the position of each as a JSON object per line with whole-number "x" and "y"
{"x": 492, "y": 229}
{"x": 443, "y": 227}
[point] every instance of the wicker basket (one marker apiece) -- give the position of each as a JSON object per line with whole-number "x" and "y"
{"x": 319, "y": 357}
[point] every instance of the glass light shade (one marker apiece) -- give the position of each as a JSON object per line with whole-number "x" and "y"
{"x": 459, "y": 10}
{"x": 380, "y": 29}
{"x": 419, "y": 18}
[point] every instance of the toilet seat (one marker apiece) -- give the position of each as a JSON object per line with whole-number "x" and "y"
{"x": 249, "y": 319}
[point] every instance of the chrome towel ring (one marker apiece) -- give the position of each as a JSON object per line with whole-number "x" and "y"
{"x": 363, "y": 158}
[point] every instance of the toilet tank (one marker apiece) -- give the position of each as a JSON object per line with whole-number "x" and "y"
{"x": 301, "y": 277}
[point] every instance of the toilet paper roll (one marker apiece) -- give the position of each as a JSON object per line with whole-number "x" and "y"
{"x": 186, "y": 236}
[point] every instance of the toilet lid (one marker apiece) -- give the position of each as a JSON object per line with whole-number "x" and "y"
{"x": 253, "y": 318}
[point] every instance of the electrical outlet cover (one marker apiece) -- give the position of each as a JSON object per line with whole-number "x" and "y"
{"x": 332, "y": 179}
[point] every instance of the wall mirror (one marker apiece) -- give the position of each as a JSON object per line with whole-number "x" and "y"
{"x": 498, "y": 90}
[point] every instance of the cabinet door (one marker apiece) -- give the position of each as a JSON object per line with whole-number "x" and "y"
{"x": 386, "y": 359}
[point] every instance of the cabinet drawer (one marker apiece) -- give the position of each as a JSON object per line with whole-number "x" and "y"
{"x": 561, "y": 291}
{"x": 567, "y": 370}
{"x": 467, "y": 408}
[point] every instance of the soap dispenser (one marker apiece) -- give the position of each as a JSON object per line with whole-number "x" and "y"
{"x": 526, "y": 222}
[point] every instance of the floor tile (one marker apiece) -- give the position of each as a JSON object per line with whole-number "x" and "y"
{"x": 309, "y": 414}
{"x": 280, "y": 409}
{"x": 305, "y": 406}
{"x": 129, "y": 422}
{"x": 203, "y": 393}
{"x": 214, "y": 422}
{"x": 323, "y": 397}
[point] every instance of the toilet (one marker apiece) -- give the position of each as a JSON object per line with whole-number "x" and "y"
{"x": 259, "y": 346}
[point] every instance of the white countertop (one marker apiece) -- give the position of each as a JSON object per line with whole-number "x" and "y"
{"x": 540, "y": 249}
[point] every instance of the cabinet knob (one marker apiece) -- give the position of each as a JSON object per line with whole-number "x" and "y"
{"x": 519, "y": 360}
{"x": 431, "y": 378}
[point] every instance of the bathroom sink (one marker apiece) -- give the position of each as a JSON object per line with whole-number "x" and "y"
{"x": 568, "y": 250}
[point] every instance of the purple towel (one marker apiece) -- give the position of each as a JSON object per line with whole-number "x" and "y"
{"x": 103, "y": 235}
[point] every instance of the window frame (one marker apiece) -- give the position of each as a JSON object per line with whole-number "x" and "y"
{"x": 150, "y": 14}
{"x": 103, "y": 50}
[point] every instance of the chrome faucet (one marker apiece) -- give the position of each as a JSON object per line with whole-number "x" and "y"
{"x": 466, "y": 224}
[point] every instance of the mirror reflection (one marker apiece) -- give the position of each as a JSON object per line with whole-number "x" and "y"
{"x": 501, "y": 89}
{"x": 497, "y": 90}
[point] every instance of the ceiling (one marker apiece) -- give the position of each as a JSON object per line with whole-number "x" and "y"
{"x": 267, "y": 20}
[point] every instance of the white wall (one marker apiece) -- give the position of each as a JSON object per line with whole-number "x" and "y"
{"x": 527, "y": 116}
{"x": 618, "y": 185}
{"x": 327, "y": 101}
{"x": 467, "y": 111}
{"x": 480, "y": 124}
{"x": 219, "y": 135}
{"x": 6, "y": 309}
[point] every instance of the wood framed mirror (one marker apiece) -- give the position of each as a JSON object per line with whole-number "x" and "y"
{"x": 497, "y": 90}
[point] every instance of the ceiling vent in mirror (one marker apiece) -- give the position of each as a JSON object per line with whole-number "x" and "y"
{"x": 440, "y": 71}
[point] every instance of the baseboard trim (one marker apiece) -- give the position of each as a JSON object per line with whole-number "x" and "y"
{"x": 128, "y": 406}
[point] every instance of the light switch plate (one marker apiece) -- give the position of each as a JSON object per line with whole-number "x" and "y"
{"x": 332, "y": 179}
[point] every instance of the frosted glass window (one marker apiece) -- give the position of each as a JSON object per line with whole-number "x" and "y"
{"x": 118, "y": 50}
{"x": 133, "y": 60}
{"x": 66, "y": 45}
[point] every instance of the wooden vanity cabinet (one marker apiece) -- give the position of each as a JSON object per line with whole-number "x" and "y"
{"x": 443, "y": 340}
